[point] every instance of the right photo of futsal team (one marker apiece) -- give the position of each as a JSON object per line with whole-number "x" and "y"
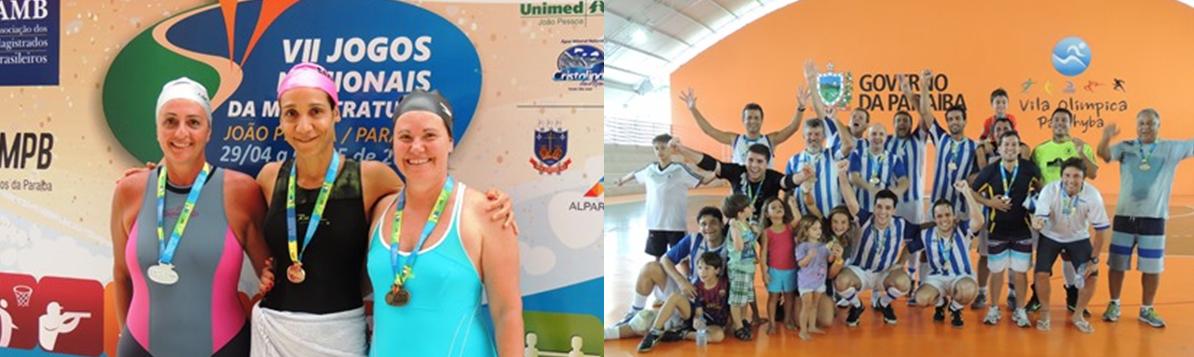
{"x": 899, "y": 178}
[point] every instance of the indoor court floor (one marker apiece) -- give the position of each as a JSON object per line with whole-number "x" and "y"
{"x": 916, "y": 334}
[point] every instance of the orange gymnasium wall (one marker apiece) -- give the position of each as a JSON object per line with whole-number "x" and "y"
{"x": 978, "y": 46}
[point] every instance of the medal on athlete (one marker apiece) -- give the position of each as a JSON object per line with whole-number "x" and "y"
{"x": 1144, "y": 166}
{"x": 404, "y": 267}
{"x": 295, "y": 273}
{"x": 163, "y": 272}
{"x": 875, "y": 180}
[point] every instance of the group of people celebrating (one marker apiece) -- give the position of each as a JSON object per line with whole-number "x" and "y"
{"x": 851, "y": 213}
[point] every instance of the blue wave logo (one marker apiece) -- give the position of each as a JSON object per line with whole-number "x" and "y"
{"x": 1071, "y": 56}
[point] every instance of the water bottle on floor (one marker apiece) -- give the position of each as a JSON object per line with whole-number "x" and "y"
{"x": 702, "y": 332}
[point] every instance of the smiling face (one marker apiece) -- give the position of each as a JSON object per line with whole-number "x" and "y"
{"x": 1071, "y": 178}
{"x": 308, "y": 120}
{"x": 1060, "y": 123}
{"x": 1147, "y": 124}
{"x": 421, "y": 145}
{"x": 711, "y": 227}
{"x": 1000, "y": 105}
{"x": 183, "y": 130}
{"x": 706, "y": 272}
{"x": 756, "y": 164}
{"x": 943, "y": 215}
{"x": 752, "y": 119}
{"x": 876, "y": 137}
{"x": 1009, "y": 148}
{"x": 814, "y": 138}
{"x": 956, "y": 121}
{"x": 840, "y": 223}
{"x": 903, "y": 124}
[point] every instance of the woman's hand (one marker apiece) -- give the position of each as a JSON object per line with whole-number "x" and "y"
{"x": 501, "y": 207}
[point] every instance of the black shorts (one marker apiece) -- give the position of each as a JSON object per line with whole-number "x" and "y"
{"x": 658, "y": 242}
{"x": 1048, "y": 249}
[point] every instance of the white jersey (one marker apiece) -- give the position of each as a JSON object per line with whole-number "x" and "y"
{"x": 1067, "y": 218}
{"x": 741, "y": 145}
{"x": 667, "y": 195}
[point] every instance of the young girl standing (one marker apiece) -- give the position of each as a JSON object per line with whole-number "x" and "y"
{"x": 778, "y": 245}
{"x": 813, "y": 257}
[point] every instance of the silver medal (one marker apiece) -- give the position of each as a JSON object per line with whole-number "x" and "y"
{"x": 163, "y": 274}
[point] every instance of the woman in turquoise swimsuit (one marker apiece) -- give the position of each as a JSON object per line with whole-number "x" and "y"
{"x": 434, "y": 251}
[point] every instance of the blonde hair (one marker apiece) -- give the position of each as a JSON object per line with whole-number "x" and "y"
{"x": 806, "y": 223}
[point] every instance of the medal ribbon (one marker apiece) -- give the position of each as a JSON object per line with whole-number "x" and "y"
{"x": 325, "y": 190}
{"x": 407, "y": 265}
{"x": 1007, "y": 183}
{"x": 166, "y": 250}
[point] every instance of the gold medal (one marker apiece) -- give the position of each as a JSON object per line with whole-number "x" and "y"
{"x": 398, "y": 296}
{"x": 952, "y": 166}
{"x": 295, "y": 273}
{"x": 875, "y": 181}
{"x": 1144, "y": 166}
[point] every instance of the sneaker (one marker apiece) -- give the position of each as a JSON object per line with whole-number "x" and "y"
{"x": 1034, "y": 304}
{"x": 1112, "y": 313}
{"x": 956, "y": 317}
{"x": 672, "y": 335}
{"x": 1071, "y": 297}
{"x": 1020, "y": 317}
{"x": 993, "y": 315}
{"x": 629, "y": 316}
{"x": 888, "y": 314}
{"x": 853, "y": 315}
{"x": 650, "y": 340}
{"x": 980, "y": 301}
{"x": 939, "y": 313}
{"x": 1150, "y": 316}
{"x": 1042, "y": 324}
{"x": 1084, "y": 326}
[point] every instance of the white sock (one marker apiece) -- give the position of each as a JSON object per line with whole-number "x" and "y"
{"x": 955, "y": 306}
{"x": 1115, "y": 301}
{"x": 940, "y": 301}
{"x": 640, "y": 301}
{"x": 982, "y": 291}
{"x": 891, "y": 295}
{"x": 1145, "y": 307}
{"x": 849, "y": 294}
{"x": 611, "y": 333}
{"x": 1069, "y": 272}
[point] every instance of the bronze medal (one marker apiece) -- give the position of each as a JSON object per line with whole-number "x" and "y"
{"x": 398, "y": 296}
{"x": 295, "y": 273}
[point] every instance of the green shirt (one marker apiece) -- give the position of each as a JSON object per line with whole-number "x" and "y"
{"x": 1050, "y": 154}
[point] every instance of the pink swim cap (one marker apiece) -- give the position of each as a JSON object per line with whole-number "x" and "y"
{"x": 309, "y": 75}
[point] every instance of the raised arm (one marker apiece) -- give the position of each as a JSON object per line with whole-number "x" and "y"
{"x": 847, "y": 193}
{"x": 786, "y": 133}
{"x": 810, "y": 77}
{"x": 972, "y": 208}
{"x": 1092, "y": 168}
{"x": 1105, "y": 142}
{"x": 723, "y": 137}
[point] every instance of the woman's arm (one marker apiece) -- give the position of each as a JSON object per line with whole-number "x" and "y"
{"x": 125, "y": 207}
{"x": 500, "y": 267}
{"x": 245, "y": 208}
